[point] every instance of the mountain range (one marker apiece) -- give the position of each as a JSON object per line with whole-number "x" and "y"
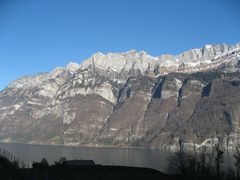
{"x": 129, "y": 99}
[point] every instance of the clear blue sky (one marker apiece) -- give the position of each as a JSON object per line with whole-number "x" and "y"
{"x": 38, "y": 35}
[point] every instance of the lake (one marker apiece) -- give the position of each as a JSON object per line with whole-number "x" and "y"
{"x": 156, "y": 159}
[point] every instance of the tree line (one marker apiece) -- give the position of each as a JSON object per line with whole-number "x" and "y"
{"x": 204, "y": 162}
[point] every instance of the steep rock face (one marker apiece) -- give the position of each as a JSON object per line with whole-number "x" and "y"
{"x": 222, "y": 105}
{"x": 128, "y": 99}
{"x": 125, "y": 125}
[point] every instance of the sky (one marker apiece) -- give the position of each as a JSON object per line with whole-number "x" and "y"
{"x": 39, "y": 35}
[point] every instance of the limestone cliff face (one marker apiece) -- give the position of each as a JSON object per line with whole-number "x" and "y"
{"x": 128, "y": 99}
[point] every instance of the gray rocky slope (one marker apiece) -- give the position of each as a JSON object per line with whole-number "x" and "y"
{"x": 129, "y": 99}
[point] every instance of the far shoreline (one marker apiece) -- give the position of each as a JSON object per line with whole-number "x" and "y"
{"x": 87, "y": 146}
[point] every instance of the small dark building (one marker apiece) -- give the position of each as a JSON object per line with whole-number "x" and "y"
{"x": 79, "y": 162}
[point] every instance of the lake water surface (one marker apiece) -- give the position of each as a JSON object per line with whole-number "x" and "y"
{"x": 156, "y": 159}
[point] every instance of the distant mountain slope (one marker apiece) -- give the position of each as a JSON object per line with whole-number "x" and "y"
{"x": 128, "y": 99}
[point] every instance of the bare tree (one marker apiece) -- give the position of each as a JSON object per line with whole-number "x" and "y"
{"x": 228, "y": 139}
{"x": 219, "y": 150}
{"x": 205, "y": 162}
{"x": 236, "y": 156}
{"x": 202, "y": 161}
{"x": 178, "y": 161}
{"x": 181, "y": 158}
{"x": 193, "y": 161}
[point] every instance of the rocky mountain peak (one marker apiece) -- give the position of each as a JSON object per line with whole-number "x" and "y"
{"x": 189, "y": 61}
{"x": 45, "y": 80}
{"x": 120, "y": 61}
{"x": 205, "y": 58}
{"x": 72, "y": 66}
